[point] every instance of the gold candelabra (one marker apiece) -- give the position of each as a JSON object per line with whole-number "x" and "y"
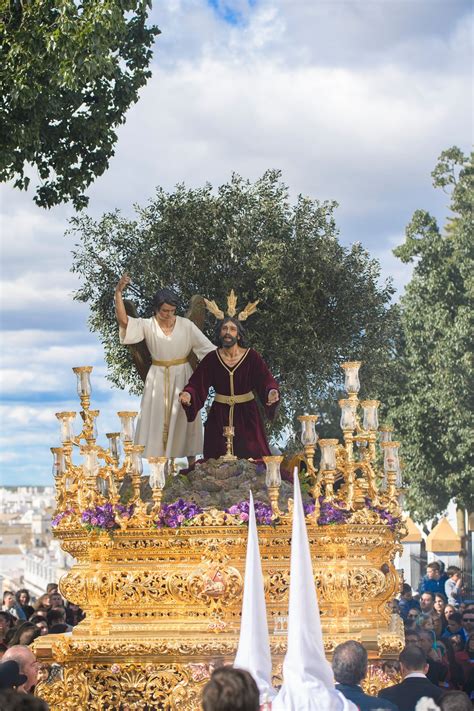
{"x": 351, "y": 467}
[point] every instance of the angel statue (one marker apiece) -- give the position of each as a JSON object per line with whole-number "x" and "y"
{"x": 166, "y": 346}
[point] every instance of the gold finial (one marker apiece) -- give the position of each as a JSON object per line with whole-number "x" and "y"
{"x": 231, "y": 303}
{"x": 231, "y": 308}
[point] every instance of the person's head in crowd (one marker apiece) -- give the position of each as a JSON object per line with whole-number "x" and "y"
{"x": 40, "y": 623}
{"x": 470, "y": 645}
{"x": 24, "y": 633}
{"x": 454, "y": 623}
{"x": 22, "y": 597}
{"x": 7, "y": 621}
{"x": 56, "y": 616}
{"x": 457, "y": 642}
{"x": 407, "y": 592}
{"x": 52, "y": 587}
{"x": 426, "y": 602}
{"x": 448, "y": 611}
{"x": 391, "y": 668}
{"x": 455, "y": 701}
{"x": 440, "y": 602}
{"x": 425, "y": 622}
{"x": 433, "y": 570}
{"x": 26, "y": 660}
{"x": 468, "y": 620}
{"x": 56, "y": 600}
{"x": 454, "y": 572}
{"x": 10, "y": 677}
{"x": 12, "y": 701}
{"x": 426, "y": 640}
{"x": 412, "y": 637}
{"x": 59, "y": 628}
{"x": 8, "y": 600}
{"x": 413, "y": 659}
{"x": 349, "y": 663}
{"x": 43, "y": 602}
{"x": 74, "y": 614}
{"x": 230, "y": 689}
{"x": 412, "y": 618}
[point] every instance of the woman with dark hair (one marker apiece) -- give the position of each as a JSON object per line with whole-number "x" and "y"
{"x": 24, "y": 633}
{"x": 230, "y": 689}
{"x": 74, "y": 614}
{"x": 23, "y": 601}
{"x": 162, "y": 426}
{"x": 7, "y": 622}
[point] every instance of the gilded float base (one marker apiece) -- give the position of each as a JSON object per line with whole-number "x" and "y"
{"x": 166, "y": 673}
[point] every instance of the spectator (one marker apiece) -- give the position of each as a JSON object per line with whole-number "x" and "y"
{"x": 454, "y": 626}
{"x": 437, "y": 671}
{"x": 43, "y": 604}
{"x": 455, "y": 701}
{"x": 230, "y": 689}
{"x": 415, "y": 685}
{"x": 427, "y": 602}
{"x": 22, "y": 598}
{"x": 7, "y": 621}
{"x": 56, "y": 601}
{"x": 434, "y": 579}
{"x": 74, "y": 614}
{"x": 407, "y": 602}
{"x": 10, "y": 677}
{"x": 439, "y": 606}
{"x": 24, "y": 633}
{"x": 468, "y": 621}
{"x": 426, "y": 622}
{"x": 10, "y": 605}
{"x": 26, "y": 660}
{"x": 51, "y": 588}
{"x": 11, "y": 701}
{"x": 40, "y": 623}
{"x": 412, "y": 637}
{"x": 455, "y": 676}
{"x": 453, "y": 585}
{"x": 412, "y": 619}
{"x": 349, "y": 664}
{"x": 57, "y": 616}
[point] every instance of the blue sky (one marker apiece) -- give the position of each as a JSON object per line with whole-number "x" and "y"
{"x": 352, "y": 99}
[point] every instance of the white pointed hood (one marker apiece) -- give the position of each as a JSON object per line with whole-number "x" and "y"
{"x": 253, "y": 653}
{"x": 308, "y": 682}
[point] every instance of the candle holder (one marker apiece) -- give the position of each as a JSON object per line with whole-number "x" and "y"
{"x": 229, "y": 433}
{"x": 157, "y": 481}
{"x": 273, "y": 482}
{"x": 351, "y": 373}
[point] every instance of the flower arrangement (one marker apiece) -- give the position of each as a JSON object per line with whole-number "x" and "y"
{"x": 391, "y": 521}
{"x": 263, "y": 512}
{"x": 104, "y": 518}
{"x": 62, "y": 515}
{"x": 177, "y": 514}
{"x": 332, "y": 512}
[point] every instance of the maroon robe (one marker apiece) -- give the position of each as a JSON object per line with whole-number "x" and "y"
{"x": 250, "y": 374}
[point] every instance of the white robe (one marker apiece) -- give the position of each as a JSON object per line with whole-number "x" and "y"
{"x": 184, "y": 439}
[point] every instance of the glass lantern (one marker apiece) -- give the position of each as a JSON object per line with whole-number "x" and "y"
{"x": 114, "y": 444}
{"x": 58, "y": 461}
{"x": 91, "y": 463}
{"x": 328, "y": 454}
{"x": 157, "y": 472}
{"x": 66, "y": 419}
{"x": 351, "y": 372}
{"x": 385, "y": 433}
{"x": 309, "y": 436}
{"x": 127, "y": 420}
{"x": 371, "y": 415}
{"x": 348, "y": 418}
{"x": 83, "y": 380}
{"x": 273, "y": 476}
{"x": 391, "y": 461}
{"x": 137, "y": 463}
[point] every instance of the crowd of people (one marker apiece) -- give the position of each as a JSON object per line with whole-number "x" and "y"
{"x": 437, "y": 661}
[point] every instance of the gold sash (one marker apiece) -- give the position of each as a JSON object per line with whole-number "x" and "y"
{"x": 234, "y": 399}
{"x": 167, "y": 364}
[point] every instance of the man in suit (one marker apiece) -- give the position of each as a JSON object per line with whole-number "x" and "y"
{"x": 415, "y": 685}
{"x": 349, "y": 664}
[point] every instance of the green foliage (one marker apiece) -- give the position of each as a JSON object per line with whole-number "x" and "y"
{"x": 433, "y": 401}
{"x": 321, "y": 303}
{"x": 68, "y": 73}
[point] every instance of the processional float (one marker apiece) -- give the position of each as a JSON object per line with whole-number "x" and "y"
{"x": 161, "y": 583}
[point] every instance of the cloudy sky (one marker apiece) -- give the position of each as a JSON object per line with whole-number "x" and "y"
{"x": 352, "y": 99}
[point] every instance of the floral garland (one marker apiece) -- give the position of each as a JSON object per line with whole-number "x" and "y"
{"x": 104, "y": 518}
{"x": 177, "y": 514}
{"x": 62, "y": 515}
{"x": 263, "y": 512}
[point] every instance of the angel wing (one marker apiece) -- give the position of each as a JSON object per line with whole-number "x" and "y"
{"x": 140, "y": 353}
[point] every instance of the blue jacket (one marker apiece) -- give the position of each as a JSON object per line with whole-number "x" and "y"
{"x": 364, "y": 701}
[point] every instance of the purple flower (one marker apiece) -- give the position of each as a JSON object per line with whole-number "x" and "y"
{"x": 60, "y": 516}
{"x": 391, "y": 521}
{"x": 263, "y": 512}
{"x": 178, "y": 513}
